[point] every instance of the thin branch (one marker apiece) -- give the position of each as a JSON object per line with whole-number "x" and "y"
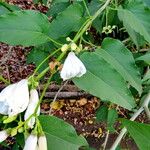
{"x": 136, "y": 114}
{"x": 106, "y": 140}
{"x": 57, "y": 95}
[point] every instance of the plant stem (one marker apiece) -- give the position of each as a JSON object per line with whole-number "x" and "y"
{"x": 57, "y": 95}
{"x": 87, "y": 10}
{"x": 45, "y": 60}
{"x": 57, "y": 43}
{"x": 136, "y": 114}
{"x": 147, "y": 112}
{"x": 91, "y": 20}
{"x": 4, "y": 80}
{"x": 106, "y": 139}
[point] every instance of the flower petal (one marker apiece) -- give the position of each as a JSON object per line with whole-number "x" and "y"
{"x": 34, "y": 99}
{"x": 73, "y": 67}
{"x": 42, "y": 142}
{"x": 31, "y": 142}
{"x": 15, "y": 97}
{"x": 3, "y": 135}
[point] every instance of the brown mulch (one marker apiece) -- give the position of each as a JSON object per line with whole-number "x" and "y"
{"x": 79, "y": 112}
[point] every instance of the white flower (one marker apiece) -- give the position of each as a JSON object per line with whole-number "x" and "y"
{"x": 31, "y": 142}
{"x": 34, "y": 99}
{"x": 73, "y": 67}
{"x": 14, "y": 98}
{"x": 3, "y": 135}
{"x": 42, "y": 143}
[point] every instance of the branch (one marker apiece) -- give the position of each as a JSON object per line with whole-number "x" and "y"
{"x": 136, "y": 114}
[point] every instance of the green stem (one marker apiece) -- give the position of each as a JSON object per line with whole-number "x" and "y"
{"x": 57, "y": 43}
{"x": 88, "y": 12}
{"x": 91, "y": 20}
{"x": 4, "y": 80}
{"x": 43, "y": 92}
{"x": 45, "y": 60}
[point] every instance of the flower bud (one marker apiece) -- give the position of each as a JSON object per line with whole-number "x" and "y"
{"x": 73, "y": 67}
{"x": 68, "y": 39}
{"x": 31, "y": 142}
{"x": 3, "y": 135}
{"x": 42, "y": 143}
{"x": 64, "y": 48}
{"x": 73, "y": 46}
{"x": 34, "y": 99}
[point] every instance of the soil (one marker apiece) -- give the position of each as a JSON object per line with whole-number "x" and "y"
{"x": 77, "y": 110}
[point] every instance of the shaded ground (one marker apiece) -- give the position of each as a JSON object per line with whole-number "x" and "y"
{"x": 78, "y": 111}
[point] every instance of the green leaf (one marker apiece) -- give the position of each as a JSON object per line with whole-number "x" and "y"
{"x": 103, "y": 81}
{"x": 116, "y": 54}
{"x": 71, "y": 19}
{"x": 140, "y": 133}
{"x": 111, "y": 118}
{"x": 39, "y": 53}
{"x": 101, "y": 113}
{"x": 57, "y": 8}
{"x": 61, "y": 135}
{"x": 24, "y": 28}
{"x": 7, "y": 8}
{"x": 145, "y": 58}
{"x": 137, "y": 17}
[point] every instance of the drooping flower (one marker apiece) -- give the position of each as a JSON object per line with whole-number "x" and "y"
{"x": 31, "y": 142}
{"x": 14, "y": 98}
{"x": 34, "y": 99}
{"x": 73, "y": 67}
{"x": 3, "y": 135}
{"x": 42, "y": 143}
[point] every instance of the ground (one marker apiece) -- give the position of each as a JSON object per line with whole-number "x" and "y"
{"x": 78, "y": 108}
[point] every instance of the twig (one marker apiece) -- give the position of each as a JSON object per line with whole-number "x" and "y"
{"x": 106, "y": 139}
{"x": 66, "y": 94}
{"x": 147, "y": 112}
{"x": 136, "y": 114}
{"x": 57, "y": 95}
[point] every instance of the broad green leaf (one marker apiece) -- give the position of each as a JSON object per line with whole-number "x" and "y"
{"x": 24, "y": 28}
{"x": 111, "y": 118}
{"x": 36, "y": 56}
{"x": 116, "y": 54}
{"x": 101, "y": 113}
{"x": 7, "y": 8}
{"x": 103, "y": 81}
{"x": 145, "y": 58}
{"x": 137, "y": 17}
{"x": 140, "y": 133}
{"x": 61, "y": 135}
{"x": 136, "y": 37}
{"x": 71, "y": 19}
{"x": 57, "y": 8}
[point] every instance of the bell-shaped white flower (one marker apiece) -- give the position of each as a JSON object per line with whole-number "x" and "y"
{"x": 31, "y": 142}
{"x": 14, "y": 98}
{"x": 3, "y": 135}
{"x": 73, "y": 67}
{"x": 34, "y": 99}
{"x": 42, "y": 143}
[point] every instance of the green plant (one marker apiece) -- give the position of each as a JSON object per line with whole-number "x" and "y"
{"x": 112, "y": 69}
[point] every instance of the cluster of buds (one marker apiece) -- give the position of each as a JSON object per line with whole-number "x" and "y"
{"x": 71, "y": 46}
{"x": 108, "y": 29}
{"x": 33, "y": 142}
{"x": 15, "y": 99}
{"x": 73, "y": 66}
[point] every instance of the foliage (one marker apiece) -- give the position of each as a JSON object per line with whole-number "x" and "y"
{"x": 110, "y": 37}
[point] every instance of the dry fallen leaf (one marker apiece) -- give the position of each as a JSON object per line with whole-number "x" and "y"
{"x": 57, "y": 105}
